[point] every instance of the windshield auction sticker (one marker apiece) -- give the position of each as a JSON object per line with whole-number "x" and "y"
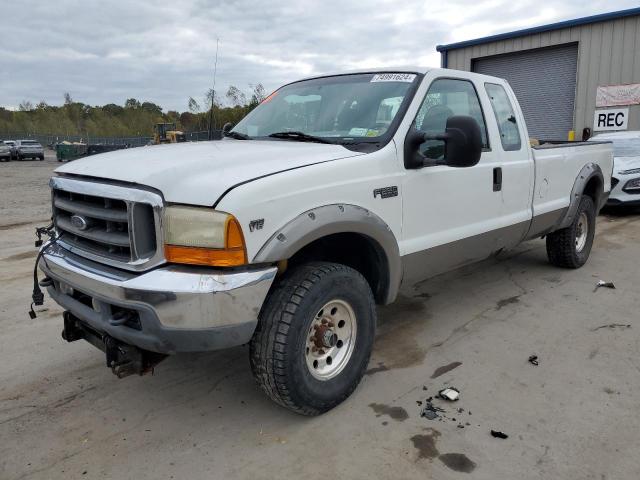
{"x": 393, "y": 77}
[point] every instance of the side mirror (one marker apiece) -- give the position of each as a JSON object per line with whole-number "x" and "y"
{"x": 463, "y": 144}
{"x": 226, "y": 128}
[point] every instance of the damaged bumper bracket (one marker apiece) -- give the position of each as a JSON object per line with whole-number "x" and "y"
{"x": 123, "y": 359}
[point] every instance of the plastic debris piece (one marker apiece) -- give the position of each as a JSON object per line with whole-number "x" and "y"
{"x": 498, "y": 434}
{"x": 430, "y": 411}
{"x": 450, "y": 393}
{"x": 533, "y": 360}
{"x": 602, "y": 283}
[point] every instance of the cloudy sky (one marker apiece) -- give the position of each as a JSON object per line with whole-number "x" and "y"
{"x": 108, "y": 51}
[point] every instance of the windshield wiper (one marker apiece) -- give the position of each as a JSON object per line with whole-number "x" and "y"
{"x": 299, "y": 137}
{"x": 236, "y": 135}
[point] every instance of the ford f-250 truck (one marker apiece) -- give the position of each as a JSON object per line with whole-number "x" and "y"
{"x": 327, "y": 198}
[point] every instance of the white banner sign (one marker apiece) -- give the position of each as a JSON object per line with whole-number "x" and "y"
{"x": 610, "y": 119}
{"x": 612, "y": 95}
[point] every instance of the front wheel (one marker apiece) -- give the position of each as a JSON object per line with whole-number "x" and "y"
{"x": 571, "y": 246}
{"x": 314, "y": 337}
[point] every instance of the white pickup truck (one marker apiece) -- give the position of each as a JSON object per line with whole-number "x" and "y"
{"x": 327, "y": 198}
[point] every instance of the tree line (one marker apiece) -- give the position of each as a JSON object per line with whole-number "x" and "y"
{"x": 133, "y": 119}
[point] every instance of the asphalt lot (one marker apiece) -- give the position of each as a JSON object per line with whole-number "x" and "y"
{"x": 574, "y": 416}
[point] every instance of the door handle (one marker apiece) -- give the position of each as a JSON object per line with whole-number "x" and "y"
{"x": 497, "y": 179}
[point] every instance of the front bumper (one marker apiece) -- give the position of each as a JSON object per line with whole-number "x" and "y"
{"x": 620, "y": 196}
{"x": 167, "y": 310}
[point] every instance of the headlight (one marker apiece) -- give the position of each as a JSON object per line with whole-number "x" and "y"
{"x": 202, "y": 236}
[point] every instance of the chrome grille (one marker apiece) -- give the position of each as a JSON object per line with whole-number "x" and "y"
{"x": 112, "y": 224}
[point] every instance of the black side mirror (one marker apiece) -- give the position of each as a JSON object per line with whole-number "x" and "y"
{"x": 463, "y": 144}
{"x": 226, "y": 128}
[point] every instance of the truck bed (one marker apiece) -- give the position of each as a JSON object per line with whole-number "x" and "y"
{"x": 558, "y": 166}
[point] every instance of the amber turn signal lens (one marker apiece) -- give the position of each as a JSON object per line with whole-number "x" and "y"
{"x": 205, "y": 256}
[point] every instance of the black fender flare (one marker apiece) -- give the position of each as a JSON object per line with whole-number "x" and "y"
{"x": 331, "y": 219}
{"x": 588, "y": 172}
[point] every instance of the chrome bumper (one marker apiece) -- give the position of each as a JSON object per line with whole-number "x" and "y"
{"x": 176, "y": 308}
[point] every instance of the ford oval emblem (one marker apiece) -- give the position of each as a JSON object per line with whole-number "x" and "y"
{"x": 79, "y": 222}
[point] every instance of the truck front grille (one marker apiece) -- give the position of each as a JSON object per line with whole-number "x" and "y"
{"x": 110, "y": 228}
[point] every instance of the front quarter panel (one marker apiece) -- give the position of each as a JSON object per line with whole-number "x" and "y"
{"x": 264, "y": 206}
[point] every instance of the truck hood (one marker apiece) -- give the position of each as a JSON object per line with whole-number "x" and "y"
{"x": 200, "y": 173}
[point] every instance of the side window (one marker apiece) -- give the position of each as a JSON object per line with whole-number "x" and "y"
{"x": 503, "y": 110}
{"x": 447, "y": 97}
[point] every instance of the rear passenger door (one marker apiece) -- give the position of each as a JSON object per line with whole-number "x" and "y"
{"x": 515, "y": 164}
{"x": 450, "y": 215}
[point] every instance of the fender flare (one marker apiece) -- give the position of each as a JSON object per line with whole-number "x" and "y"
{"x": 588, "y": 172}
{"x": 331, "y": 219}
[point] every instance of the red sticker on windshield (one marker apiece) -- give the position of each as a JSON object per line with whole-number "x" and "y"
{"x": 270, "y": 97}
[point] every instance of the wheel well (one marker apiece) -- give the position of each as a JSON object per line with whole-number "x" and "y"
{"x": 593, "y": 189}
{"x": 355, "y": 250}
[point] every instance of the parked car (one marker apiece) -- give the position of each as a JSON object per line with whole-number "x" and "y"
{"x": 5, "y": 152}
{"x": 29, "y": 149}
{"x": 12, "y": 147}
{"x": 625, "y": 184}
{"x": 323, "y": 201}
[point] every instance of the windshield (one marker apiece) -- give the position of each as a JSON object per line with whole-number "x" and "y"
{"x": 340, "y": 109}
{"x": 29, "y": 142}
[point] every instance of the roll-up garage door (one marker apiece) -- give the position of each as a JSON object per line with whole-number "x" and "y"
{"x": 544, "y": 81}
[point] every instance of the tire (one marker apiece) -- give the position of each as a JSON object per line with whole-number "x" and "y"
{"x": 41, "y": 157}
{"x": 287, "y": 365}
{"x": 571, "y": 246}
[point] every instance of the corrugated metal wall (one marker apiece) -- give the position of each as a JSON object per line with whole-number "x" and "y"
{"x": 609, "y": 54}
{"x": 548, "y": 101}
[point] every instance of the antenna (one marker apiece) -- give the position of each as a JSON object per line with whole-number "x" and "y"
{"x": 213, "y": 92}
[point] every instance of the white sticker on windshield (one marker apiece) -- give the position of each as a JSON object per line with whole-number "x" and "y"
{"x": 358, "y": 132}
{"x": 393, "y": 77}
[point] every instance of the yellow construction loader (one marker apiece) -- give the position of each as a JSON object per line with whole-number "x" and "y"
{"x": 167, "y": 133}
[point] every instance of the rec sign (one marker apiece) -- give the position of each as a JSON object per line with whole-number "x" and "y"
{"x": 611, "y": 119}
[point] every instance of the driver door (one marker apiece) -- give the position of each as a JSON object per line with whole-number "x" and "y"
{"x": 449, "y": 214}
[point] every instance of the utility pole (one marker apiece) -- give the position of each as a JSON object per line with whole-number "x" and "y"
{"x": 213, "y": 93}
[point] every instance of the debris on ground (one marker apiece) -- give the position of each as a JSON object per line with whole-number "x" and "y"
{"x": 430, "y": 411}
{"x": 498, "y": 434}
{"x": 602, "y": 283}
{"x": 612, "y": 326}
{"x": 450, "y": 393}
{"x": 533, "y": 360}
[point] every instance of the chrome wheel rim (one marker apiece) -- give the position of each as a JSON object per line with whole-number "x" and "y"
{"x": 582, "y": 229}
{"x": 330, "y": 340}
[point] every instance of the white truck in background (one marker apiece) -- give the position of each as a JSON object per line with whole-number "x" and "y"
{"x": 327, "y": 198}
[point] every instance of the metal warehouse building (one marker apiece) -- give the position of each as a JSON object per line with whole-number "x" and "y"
{"x": 563, "y": 72}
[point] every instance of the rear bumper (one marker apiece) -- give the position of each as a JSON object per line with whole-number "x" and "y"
{"x": 168, "y": 310}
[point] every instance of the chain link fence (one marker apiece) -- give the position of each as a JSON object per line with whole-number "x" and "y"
{"x": 48, "y": 139}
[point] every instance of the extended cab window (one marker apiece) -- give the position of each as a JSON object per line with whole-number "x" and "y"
{"x": 445, "y": 98}
{"x": 503, "y": 110}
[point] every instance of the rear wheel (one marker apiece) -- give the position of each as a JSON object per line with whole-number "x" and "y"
{"x": 571, "y": 246}
{"x": 314, "y": 337}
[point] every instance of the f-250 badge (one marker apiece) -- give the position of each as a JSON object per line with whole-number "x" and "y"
{"x": 386, "y": 192}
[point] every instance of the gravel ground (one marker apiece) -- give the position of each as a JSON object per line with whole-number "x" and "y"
{"x": 574, "y": 416}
